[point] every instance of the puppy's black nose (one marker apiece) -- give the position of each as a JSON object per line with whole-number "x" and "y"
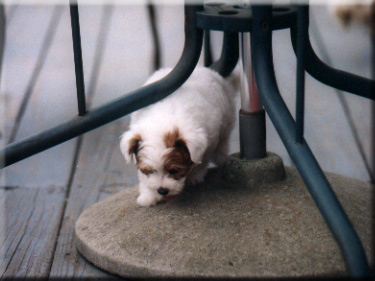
{"x": 163, "y": 191}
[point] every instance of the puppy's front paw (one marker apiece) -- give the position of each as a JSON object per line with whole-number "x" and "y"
{"x": 197, "y": 175}
{"x": 147, "y": 200}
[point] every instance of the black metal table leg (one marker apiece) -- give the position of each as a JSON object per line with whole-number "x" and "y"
{"x": 77, "y": 49}
{"x": 300, "y": 153}
{"x": 120, "y": 107}
{"x": 338, "y": 79}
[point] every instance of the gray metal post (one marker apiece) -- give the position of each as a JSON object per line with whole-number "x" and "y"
{"x": 252, "y": 115}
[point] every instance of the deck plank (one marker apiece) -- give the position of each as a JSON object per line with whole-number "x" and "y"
{"x": 100, "y": 172}
{"x": 51, "y": 99}
{"x": 29, "y": 223}
{"x": 34, "y": 216}
{"x": 30, "y": 218}
{"x": 47, "y": 170}
{"x": 23, "y": 58}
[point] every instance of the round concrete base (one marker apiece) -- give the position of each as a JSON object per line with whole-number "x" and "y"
{"x": 224, "y": 228}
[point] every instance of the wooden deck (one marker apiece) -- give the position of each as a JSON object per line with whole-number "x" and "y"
{"x": 41, "y": 197}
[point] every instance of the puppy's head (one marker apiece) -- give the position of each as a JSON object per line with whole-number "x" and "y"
{"x": 163, "y": 162}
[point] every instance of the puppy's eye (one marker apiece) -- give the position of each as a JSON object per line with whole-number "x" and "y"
{"x": 172, "y": 171}
{"x": 147, "y": 171}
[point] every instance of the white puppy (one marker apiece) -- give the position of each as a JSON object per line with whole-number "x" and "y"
{"x": 173, "y": 140}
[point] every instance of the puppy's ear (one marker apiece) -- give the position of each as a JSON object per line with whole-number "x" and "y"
{"x": 129, "y": 145}
{"x": 196, "y": 144}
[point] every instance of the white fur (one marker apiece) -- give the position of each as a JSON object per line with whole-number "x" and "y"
{"x": 203, "y": 110}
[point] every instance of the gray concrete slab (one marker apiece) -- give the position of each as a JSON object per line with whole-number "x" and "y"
{"x": 223, "y": 228}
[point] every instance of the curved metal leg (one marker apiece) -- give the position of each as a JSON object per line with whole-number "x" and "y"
{"x": 156, "y": 60}
{"x": 229, "y": 55}
{"x": 333, "y": 77}
{"x": 207, "y": 48}
{"x": 117, "y": 108}
{"x": 300, "y": 153}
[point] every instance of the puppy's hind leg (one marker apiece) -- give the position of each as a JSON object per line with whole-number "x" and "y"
{"x": 220, "y": 154}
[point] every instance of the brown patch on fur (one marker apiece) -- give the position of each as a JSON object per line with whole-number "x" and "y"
{"x": 144, "y": 168}
{"x": 134, "y": 144}
{"x": 147, "y": 170}
{"x": 178, "y": 161}
{"x": 344, "y": 15}
{"x": 361, "y": 13}
{"x": 171, "y": 138}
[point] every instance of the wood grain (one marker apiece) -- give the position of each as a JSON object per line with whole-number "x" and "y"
{"x": 26, "y": 38}
{"x": 30, "y": 218}
{"x": 100, "y": 172}
{"x": 30, "y": 221}
{"x": 44, "y": 93}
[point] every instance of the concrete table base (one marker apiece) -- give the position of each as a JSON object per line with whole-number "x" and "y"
{"x": 231, "y": 226}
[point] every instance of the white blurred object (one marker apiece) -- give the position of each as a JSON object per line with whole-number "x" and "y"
{"x": 353, "y": 12}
